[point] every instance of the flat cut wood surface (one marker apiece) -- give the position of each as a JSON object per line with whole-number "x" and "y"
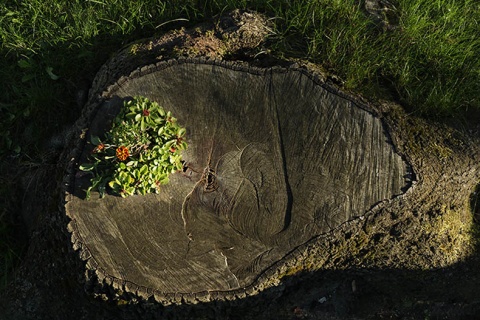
{"x": 275, "y": 158}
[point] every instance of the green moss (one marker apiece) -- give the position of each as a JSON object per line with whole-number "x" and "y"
{"x": 121, "y": 302}
{"x": 134, "y": 48}
{"x": 451, "y": 233}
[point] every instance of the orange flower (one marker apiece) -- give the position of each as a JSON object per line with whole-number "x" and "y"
{"x": 98, "y": 148}
{"x": 122, "y": 153}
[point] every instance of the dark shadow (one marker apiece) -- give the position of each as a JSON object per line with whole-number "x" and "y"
{"x": 353, "y": 293}
{"x": 475, "y": 205}
{"x": 356, "y": 293}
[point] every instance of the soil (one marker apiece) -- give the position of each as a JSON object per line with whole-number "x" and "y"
{"x": 415, "y": 257}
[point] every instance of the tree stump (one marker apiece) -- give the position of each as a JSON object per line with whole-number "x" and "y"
{"x": 276, "y": 158}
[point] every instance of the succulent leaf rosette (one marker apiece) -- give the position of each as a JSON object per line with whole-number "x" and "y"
{"x": 138, "y": 153}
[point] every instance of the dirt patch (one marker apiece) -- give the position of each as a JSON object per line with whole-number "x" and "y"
{"x": 239, "y": 34}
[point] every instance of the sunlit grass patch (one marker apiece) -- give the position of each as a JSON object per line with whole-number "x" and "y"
{"x": 428, "y": 61}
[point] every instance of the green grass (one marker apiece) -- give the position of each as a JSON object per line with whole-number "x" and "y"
{"x": 428, "y": 62}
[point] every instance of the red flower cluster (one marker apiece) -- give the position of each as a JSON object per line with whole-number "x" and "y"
{"x": 122, "y": 153}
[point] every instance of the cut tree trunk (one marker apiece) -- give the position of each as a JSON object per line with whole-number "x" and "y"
{"x": 275, "y": 158}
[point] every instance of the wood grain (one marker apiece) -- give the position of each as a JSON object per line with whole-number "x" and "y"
{"x": 275, "y": 158}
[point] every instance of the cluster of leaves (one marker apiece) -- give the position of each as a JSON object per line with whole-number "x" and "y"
{"x": 138, "y": 153}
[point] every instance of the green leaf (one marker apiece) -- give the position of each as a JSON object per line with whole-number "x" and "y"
{"x": 170, "y": 143}
{"x": 87, "y": 167}
{"x": 24, "y": 64}
{"x": 51, "y": 74}
{"x": 95, "y": 140}
{"x": 27, "y": 77}
{"x": 131, "y": 115}
{"x": 102, "y": 189}
{"x": 144, "y": 169}
{"x": 88, "y": 193}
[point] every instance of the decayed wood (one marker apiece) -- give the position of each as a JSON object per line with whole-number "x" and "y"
{"x": 275, "y": 159}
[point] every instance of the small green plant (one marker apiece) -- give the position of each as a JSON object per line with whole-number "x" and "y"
{"x": 138, "y": 153}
